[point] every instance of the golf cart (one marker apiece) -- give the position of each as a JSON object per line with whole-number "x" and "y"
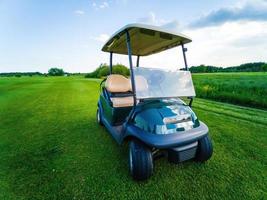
{"x": 146, "y": 110}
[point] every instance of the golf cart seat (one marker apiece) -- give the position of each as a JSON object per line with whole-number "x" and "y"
{"x": 120, "y": 91}
{"x": 122, "y": 102}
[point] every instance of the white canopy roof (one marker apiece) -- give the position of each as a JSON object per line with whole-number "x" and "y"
{"x": 145, "y": 40}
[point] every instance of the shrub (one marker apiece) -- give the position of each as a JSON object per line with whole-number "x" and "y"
{"x": 55, "y": 72}
{"x": 103, "y": 70}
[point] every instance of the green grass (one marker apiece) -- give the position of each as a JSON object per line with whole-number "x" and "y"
{"x": 52, "y": 148}
{"x": 243, "y": 88}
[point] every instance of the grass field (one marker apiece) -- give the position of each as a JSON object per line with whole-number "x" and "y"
{"x": 52, "y": 148}
{"x": 249, "y": 89}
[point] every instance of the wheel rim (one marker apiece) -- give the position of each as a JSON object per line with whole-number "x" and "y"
{"x": 131, "y": 161}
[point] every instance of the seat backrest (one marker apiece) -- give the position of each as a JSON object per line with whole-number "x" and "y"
{"x": 117, "y": 83}
{"x": 141, "y": 83}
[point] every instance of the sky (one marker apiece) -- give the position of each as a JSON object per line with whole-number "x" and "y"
{"x": 69, "y": 34}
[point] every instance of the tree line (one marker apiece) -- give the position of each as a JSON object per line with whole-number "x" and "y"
{"x": 248, "y": 67}
{"x": 51, "y": 72}
{"x": 103, "y": 70}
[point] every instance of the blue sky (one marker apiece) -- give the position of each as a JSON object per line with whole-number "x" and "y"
{"x": 37, "y": 35}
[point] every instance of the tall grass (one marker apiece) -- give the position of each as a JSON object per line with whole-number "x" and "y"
{"x": 249, "y": 89}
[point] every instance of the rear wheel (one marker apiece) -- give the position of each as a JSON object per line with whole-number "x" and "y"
{"x": 140, "y": 160}
{"x": 98, "y": 117}
{"x": 204, "y": 150}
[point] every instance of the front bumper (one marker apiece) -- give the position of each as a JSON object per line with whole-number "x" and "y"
{"x": 165, "y": 141}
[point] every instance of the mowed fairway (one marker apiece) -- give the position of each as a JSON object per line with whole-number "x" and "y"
{"x": 52, "y": 148}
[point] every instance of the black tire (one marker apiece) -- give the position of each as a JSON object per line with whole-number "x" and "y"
{"x": 204, "y": 150}
{"x": 98, "y": 117}
{"x": 140, "y": 160}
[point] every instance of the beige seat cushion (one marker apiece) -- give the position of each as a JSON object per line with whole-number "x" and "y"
{"x": 117, "y": 83}
{"x": 140, "y": 83}
{"x": 122, "y": 101}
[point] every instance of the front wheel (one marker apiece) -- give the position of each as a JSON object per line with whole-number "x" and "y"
{"x": 204, "y": 149}
{"x": 140, "y": 160}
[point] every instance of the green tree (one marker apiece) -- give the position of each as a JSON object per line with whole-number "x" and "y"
{"x": 103, "y": 70}
{"x": 55, "y": 72}
{"x": 264, "y": 68}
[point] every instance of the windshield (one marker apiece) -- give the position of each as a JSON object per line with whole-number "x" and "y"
{"x": 159, "y": 83}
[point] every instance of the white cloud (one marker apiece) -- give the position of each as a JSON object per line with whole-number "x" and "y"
{"x": 101, "y": 38}
{"x": 102, "y": 5}
{"x": 230, "y": 44}
{"x": 255, "y": 10}
{"x": 152, "y": 19}
{"x": 79, "y": 12}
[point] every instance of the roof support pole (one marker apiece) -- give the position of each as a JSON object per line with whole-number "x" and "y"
{"x": 185, "y": 61}
{"x": 137, "y": 61}
{"x": 186, "y": 68}
{"x": 131, "y": 64}
{"x": 110, "y": 62}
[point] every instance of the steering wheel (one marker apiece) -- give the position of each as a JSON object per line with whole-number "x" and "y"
{"x": 156, "y": 78}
